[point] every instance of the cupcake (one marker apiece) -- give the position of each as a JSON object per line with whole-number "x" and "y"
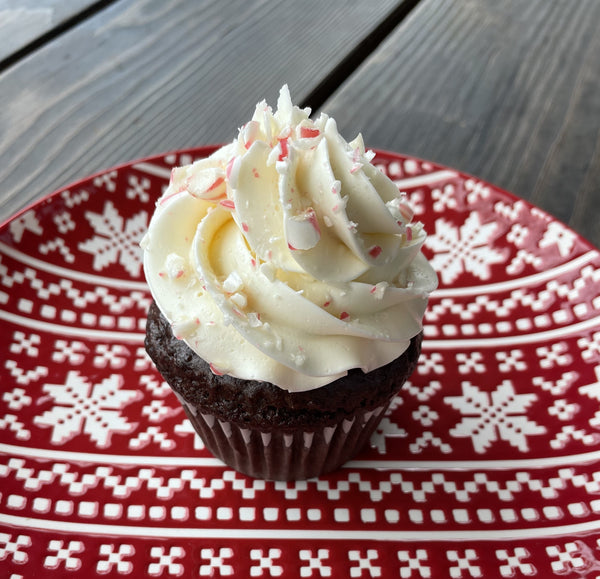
{"x": 289, "y": 290}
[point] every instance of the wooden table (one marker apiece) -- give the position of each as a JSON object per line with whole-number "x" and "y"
{"x": 506, "y": 91}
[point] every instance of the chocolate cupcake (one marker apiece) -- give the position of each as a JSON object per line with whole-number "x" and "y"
{"x": 289, "y": 293}
{"x": 267, "y": 432}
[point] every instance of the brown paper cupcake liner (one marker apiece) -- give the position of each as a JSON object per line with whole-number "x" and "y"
{"x": 291, "y": 454}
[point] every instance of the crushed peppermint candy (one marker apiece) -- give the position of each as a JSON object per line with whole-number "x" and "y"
{"x": 233, "y": 283}
{"x": 400, "y": 210}
{"x": 379, "y": 289}
{"x": 215, "y": 370}
{"x": 375, "y": 251}
{"x": 250, "y": 132}
{"x": 208, "y": 184}
{"x": 239, "y": 299}
{"x": 227, "y": 204}
{"x": 309, "y": 133}
{"x": 175, "y": 266}
{"x": 254, "y": 320}
{"x": 303, "y": 231}
{"x": 283, "y": 144}
{"x": 232, "y": 171}
{"x": 183, "y": 329}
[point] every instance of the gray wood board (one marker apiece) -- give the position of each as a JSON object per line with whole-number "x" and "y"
{"x": 506, "y": 91}
{"x": 25, "y": 21}
{"x": 147, "y": 76}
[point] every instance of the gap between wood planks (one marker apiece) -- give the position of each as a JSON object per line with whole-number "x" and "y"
{"x": 53, "y": 33}
{"x": 314, "y": 100}
{"x": 358, "y": 55}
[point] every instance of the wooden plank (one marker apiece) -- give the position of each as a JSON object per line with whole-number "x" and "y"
{"x": 25, "y": 21}
{"x": 507, "y": 91}
{"x": 147, "y": 76}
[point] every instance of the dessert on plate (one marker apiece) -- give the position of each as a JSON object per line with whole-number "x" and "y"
{"x": 289, "y": 290}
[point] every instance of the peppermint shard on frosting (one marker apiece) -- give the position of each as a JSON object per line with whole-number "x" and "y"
{"x": 287, "y": 256}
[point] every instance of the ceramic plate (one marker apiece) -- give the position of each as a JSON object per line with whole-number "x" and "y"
{"x": 487, "y": 464}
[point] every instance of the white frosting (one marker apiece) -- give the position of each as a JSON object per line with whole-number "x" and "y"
{"x": 286, "y": 256}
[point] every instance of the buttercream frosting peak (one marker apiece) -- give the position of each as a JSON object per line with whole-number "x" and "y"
{"x": 289, "y": 257}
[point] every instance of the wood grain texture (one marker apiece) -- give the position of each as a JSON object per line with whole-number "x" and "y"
{"x": 24, "y": 21}
{"x": 147, "y": 76}
{"x": 507, "y": 91}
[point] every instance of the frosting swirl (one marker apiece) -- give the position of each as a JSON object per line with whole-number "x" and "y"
{"x": 287, "y": 256}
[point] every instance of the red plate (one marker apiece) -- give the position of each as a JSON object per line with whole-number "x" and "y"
{"x": 487, "y": 465}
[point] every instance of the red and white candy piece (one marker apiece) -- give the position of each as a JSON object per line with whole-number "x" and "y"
{"x": 309, "y": 132}
{"x": 250, "y": 131}
{"x": 227, "y": 204}
{"x": 207, "y": 184}
{"x": 378, "y": 290}
{"x": 357, "y": 160}
{"x": 185, "y": 328}
{"x": 216, "y": 371}
{"x": 303, "y": 231}
{"x": 400, "y": 210}
{"x": 375, "y": 251}
{"x": 175, "y": 266}
{"x": 283, "y": 144}
{"x": 232, "y": 171}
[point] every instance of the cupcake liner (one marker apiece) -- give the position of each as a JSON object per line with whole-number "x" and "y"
{"x": 290, "y": 454}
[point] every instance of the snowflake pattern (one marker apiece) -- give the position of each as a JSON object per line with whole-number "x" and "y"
{"x": 117, "y": 240}
{"x": 467, "y": 248}
{"x": 444, "y": 198}
{"x": 27, "y": 221}
{"x": 385, "y": 429}
{"x": 93, "y": 409}
{"x": 485, "y": 417}
{"x": 561, "y": 237}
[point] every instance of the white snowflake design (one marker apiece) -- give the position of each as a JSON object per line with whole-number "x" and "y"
{"x": 27, "y": 221}
{"x": 476, "y": 190}
{"x": 93, "y": 409}
{"x": 561, "y": 237}
{"x": 503, "y": 415}
{"x": 467, "y": 248}
{"x": 116, "y": 240}
{"x": 386, "y": 429}
{"x": 444, "y": 198}
{"x": 138, "y": 188}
